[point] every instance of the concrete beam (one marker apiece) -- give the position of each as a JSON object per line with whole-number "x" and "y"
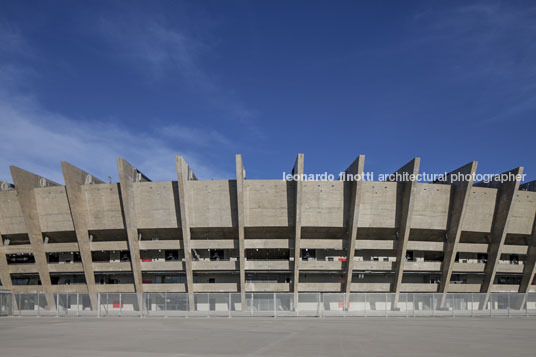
{"x": 25, "y": 183}
{"x": 74, "y": 179}
{"x": 503, "y": 207}
{"x": 128, "y": 175}
{"x": 297, "y": 170}
{"x": 459, "y": 197}
{"x": 240, "y": 197}
{"x": 184, "y": 175}
{"x": 356, "y": 168}
{"x": 406, "y": 176}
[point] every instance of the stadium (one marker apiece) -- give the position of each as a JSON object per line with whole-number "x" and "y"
{"x": 238, "y": 245}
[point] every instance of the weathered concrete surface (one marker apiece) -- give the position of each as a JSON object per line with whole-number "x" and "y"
{"x": 74, "y": 180}
{"x": 57, "y": 337}
{"x": 459, "y": 197}
{"x": 5, "y": 277}
{"x": 530, "y": 265}
{"x": 406, "y": 213}
{"x": 272, "y": 215}
{"x": 128, "y": 175}
{"x": 505, "y": 200}
{"x": 26, "y": 182}
{"x": 240, "y": 178}
{"x": 356, "y": 169}
{"x": 297, "y": 170}
{"x": 185, "y": 175}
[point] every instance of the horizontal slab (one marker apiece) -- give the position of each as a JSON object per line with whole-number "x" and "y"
{"x": 122, "y": 266}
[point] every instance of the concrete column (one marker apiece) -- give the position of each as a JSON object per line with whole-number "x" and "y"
{"x": 503, "y": 206}
{"x": 297, "y": 170}
{"x": 5, "y": 276}
{"x": 356, "y": 168}
{"x": 128, "y": 175}
{"x": 459, "y": 197}
{"x": 74, "y": 179}
{"x": 25, "y": 183}
{"x": 184, "y": 175}
{"x": 529, "y": 268}
{"x": 240, "y": 198}
{"x": 407, "y": 184}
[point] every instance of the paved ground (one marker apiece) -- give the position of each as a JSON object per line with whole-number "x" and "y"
{"x": 44, "y": 336}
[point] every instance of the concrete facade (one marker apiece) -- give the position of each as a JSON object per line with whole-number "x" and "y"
{"x": 244, "y": 235}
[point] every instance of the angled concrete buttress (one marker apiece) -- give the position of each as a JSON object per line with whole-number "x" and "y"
{"x": 459, "y": 197}
{"x": 25, "y": 183}
{"x": 297, "y": 170}
{"x": 503, "y": 206}
{"x": 529, "y": 269}
{"x": 355, "y": 169}
{"x": 5, "y": 277}
{"x": 408, "y": 180}
{"x": 128, "y": 175}
{"x": 185, "y": 174}
{"x": 240, "y": 195}
{"x": 5, "y": 273}
{"x": 74, "y": 179}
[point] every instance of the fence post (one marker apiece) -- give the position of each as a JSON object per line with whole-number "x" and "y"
{"x": 251, "y": 306}
{"x": 385, "y": 307}
{"x": 142, "y": 303}
{"x": 98, "y": 304}
{"x": 432, "y": 305}
{"x": 365, "y": 304}
{"x": 275, "y": 307}
{"x": 319, "y": 297}
{"x": 229, "y": 303}
{"x": 208, "y": 303}
{"x": 453, "y": 303}
{"x": 120, "y": 304}
{"x": 77, "y": 304}
{"x": 345, "y": 307}
{"x": 165, "y": 306}
{"x": 297, "y": 304}
{"x": 509, "y": 304}
{"x": 407, "y": 311}
{"x": 57, "y": 305}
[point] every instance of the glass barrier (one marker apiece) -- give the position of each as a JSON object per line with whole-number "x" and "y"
{"x": 308, "y": 304}
{"x": 176, "y": 304}
{"x": 6, "y": 304}
{"x": 284, "y": 303}
{"x": 269, "y": 304}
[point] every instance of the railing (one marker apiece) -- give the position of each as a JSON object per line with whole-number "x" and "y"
{"x": 268, "y": 304}
{"x": 6, "y": 301}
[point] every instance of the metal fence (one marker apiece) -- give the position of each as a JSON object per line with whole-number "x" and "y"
{"x": 6, "y": 301}
{"x": 269, "y": 304}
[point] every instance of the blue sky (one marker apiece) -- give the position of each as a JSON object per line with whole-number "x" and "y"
{"x": 87, "y": 82}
